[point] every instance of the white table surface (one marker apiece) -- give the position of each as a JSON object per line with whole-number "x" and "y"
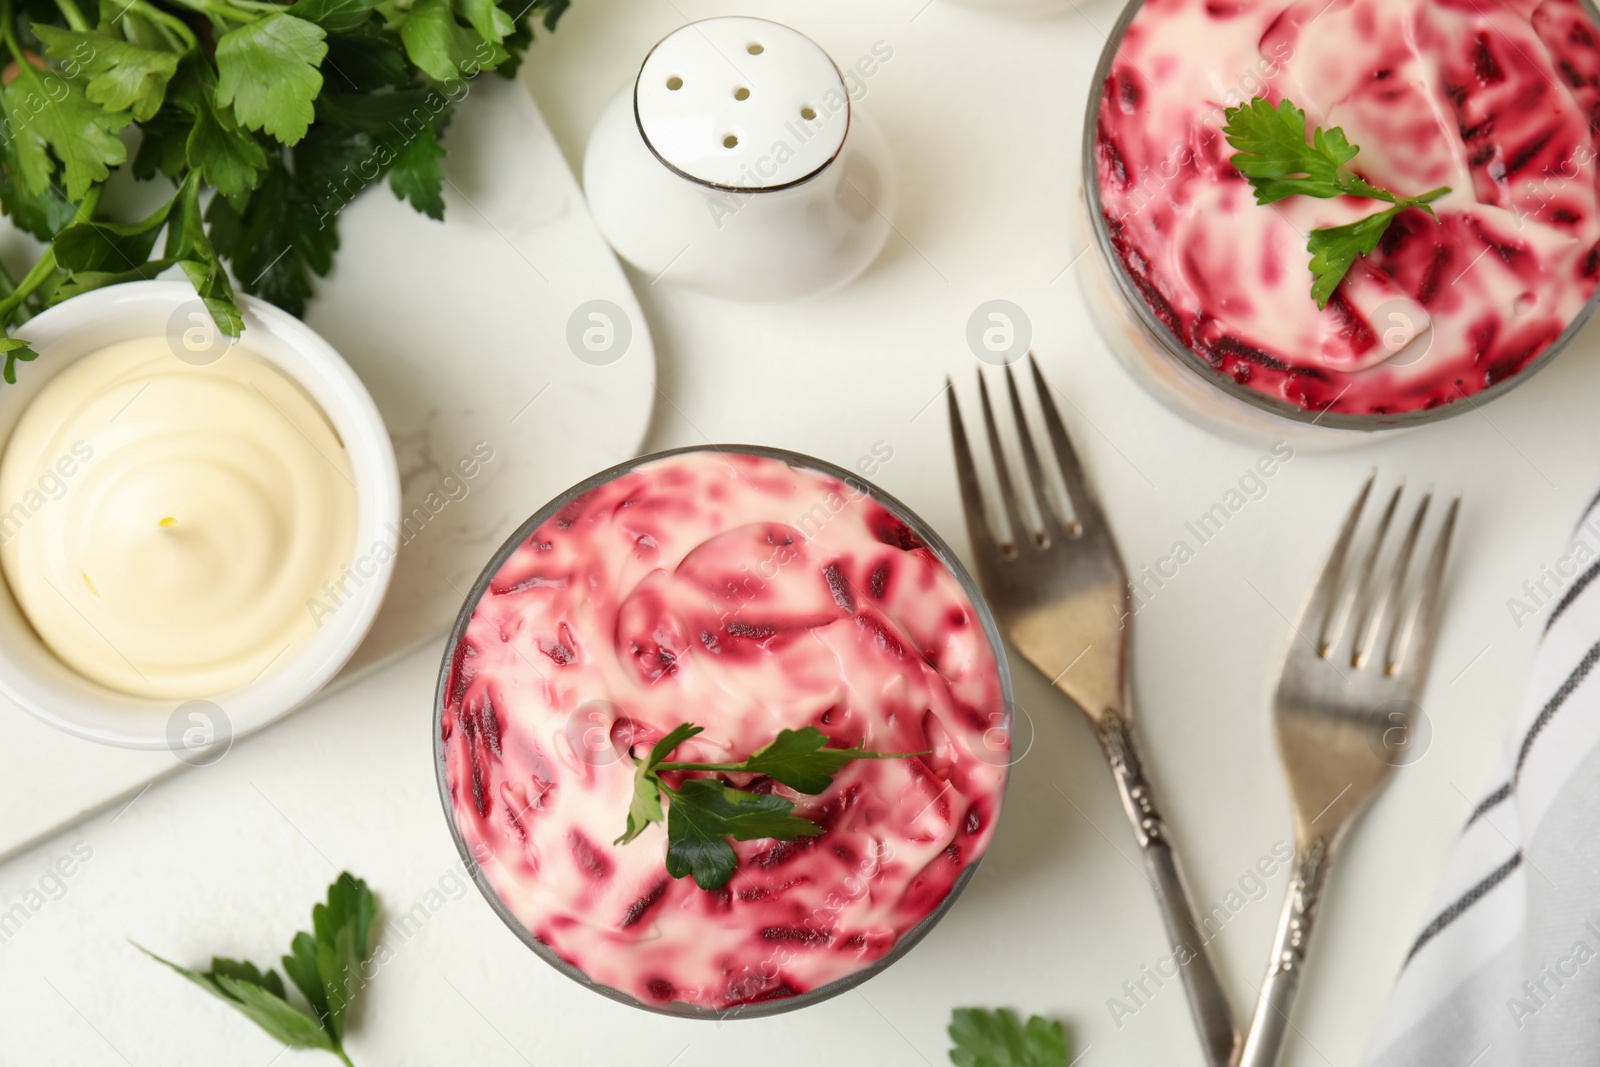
{"x": 984, "y": 115}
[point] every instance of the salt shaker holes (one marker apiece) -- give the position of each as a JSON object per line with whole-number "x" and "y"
{"x": 673, "y": 162}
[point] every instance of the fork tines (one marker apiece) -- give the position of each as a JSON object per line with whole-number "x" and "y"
{"x": 1361, "y": 598}
{"x": 1055, "y": 524}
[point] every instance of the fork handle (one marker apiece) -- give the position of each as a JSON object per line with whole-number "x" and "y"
{"x": 1269, "y": 1027}
{"x": 1208, "y": 1003}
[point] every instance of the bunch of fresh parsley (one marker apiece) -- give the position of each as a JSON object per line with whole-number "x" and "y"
{"x": 701, "y": 814}
{"x": 325, "y": 965}
{"x": 1274, "y": 155}
{"x": 279, "y": 112}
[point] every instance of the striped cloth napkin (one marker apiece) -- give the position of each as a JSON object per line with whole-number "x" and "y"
{"x": 1506, "y": 972}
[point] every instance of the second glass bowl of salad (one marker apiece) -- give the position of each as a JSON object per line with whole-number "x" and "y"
{"x": 1205, "y": 294}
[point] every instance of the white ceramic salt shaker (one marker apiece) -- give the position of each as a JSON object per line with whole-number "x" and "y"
{"x": 738, "y": 165}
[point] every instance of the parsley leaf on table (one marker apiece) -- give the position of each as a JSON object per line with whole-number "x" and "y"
{"x": 702, "y": 814}
{"x": 999, "y": 1039}
{"x": 324, "y": 965}
{"x": 267, "y": 72}
{"x": 1273, "y": 154}
{"x": 260, "y": 998}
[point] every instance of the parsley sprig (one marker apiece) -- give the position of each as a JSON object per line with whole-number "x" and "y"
{"x": 998, "y": 1038}
{"x": 281, "y": 111}
{"x": 701, "y": 814}
{"x": 1272, "y": 152}
{"x": 325, "y": 965}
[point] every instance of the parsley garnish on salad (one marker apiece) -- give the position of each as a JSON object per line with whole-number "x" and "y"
{"x": 1272, "y": 152}
{"x": 702, "y": 814}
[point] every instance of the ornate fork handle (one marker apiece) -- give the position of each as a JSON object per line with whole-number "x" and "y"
{"x": 1270, "y": 1025}
{"x": 1207, "y": 1002}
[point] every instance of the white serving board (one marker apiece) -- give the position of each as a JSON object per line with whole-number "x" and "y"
{"x": 460, "y": 332}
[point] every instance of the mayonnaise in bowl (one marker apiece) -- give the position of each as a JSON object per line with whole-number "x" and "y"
{"x": 168, "y": 523}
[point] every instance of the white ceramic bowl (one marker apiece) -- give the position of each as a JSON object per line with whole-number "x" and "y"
{"x": 33, "y": 677}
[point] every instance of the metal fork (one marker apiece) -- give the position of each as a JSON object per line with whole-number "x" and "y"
{"x": 1061, "y": 595}
{"x": 1356, "y": 665}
